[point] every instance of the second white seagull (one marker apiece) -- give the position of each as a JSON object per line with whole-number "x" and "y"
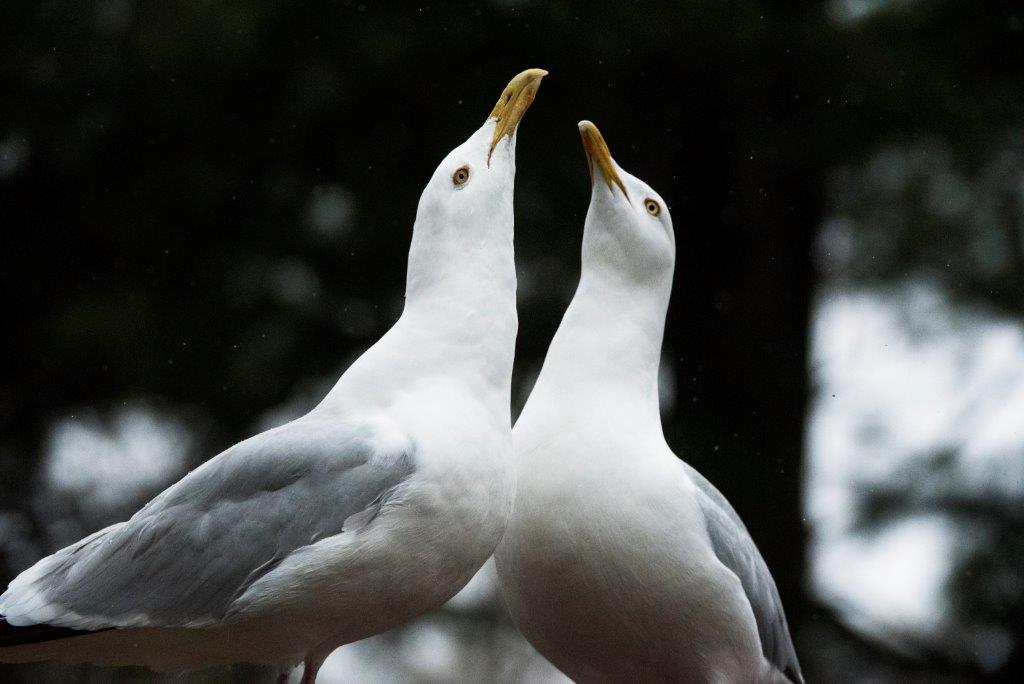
{"x": 620, "y": 562}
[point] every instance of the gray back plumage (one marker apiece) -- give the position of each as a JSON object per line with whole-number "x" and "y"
{"x": 192, "y": 550}
{"x": 735, "y": 548}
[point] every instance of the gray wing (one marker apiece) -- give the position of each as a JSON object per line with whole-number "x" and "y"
{"x": 737, "y": 551}
{"x": 185, "y": 556}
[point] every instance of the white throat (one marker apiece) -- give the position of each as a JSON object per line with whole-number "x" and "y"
{"x": 609, "y": 341}
{"x": 459, "y": 320}
{"x": 461, "y": 291}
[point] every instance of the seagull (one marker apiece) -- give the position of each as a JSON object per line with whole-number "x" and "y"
{"x": 620, "y": 562}
{"x": 375, "y": 507}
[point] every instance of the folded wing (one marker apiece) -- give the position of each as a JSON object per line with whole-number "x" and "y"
{"x": 184, "y": 557}
{"x": 736, "y": 550}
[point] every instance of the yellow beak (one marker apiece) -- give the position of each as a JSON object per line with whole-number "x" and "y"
{"x": 599, "y": 156}
{"x": 512, "y": 105}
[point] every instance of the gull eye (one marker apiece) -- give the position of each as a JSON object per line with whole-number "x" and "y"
{"x": 461, "y": 176}
{"x": 653, "y": 208}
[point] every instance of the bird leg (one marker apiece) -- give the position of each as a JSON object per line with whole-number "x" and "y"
{"x": 311, "y": 666}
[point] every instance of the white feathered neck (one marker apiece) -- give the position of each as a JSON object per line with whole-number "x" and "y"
{"x": 460, "y": 308}
{"x": 609, "y": 341}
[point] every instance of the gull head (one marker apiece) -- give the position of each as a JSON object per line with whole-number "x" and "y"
{"x": 474, "y": 183}
{"x": 628, "y": 225}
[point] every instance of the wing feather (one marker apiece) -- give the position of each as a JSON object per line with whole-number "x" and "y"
{"x": 736, "y": 550}
{"x": 189, "y": 552}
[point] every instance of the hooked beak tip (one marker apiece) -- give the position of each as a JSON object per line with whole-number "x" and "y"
{"x": 512, "y": 105}
{"x": 598, "y": 155}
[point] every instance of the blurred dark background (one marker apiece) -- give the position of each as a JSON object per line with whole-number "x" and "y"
{"x": 205, "y": 210}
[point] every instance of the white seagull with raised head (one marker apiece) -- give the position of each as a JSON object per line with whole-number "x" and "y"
{"x": 620, "y": 562}
{"x": 375, "y": 507}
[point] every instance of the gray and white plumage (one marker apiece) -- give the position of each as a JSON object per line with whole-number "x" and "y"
{"x": 188, "y": 557}
{"x": 735, "y": 548}
{"x": 620, "y": 562}
{"x": 377, "y": 506}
